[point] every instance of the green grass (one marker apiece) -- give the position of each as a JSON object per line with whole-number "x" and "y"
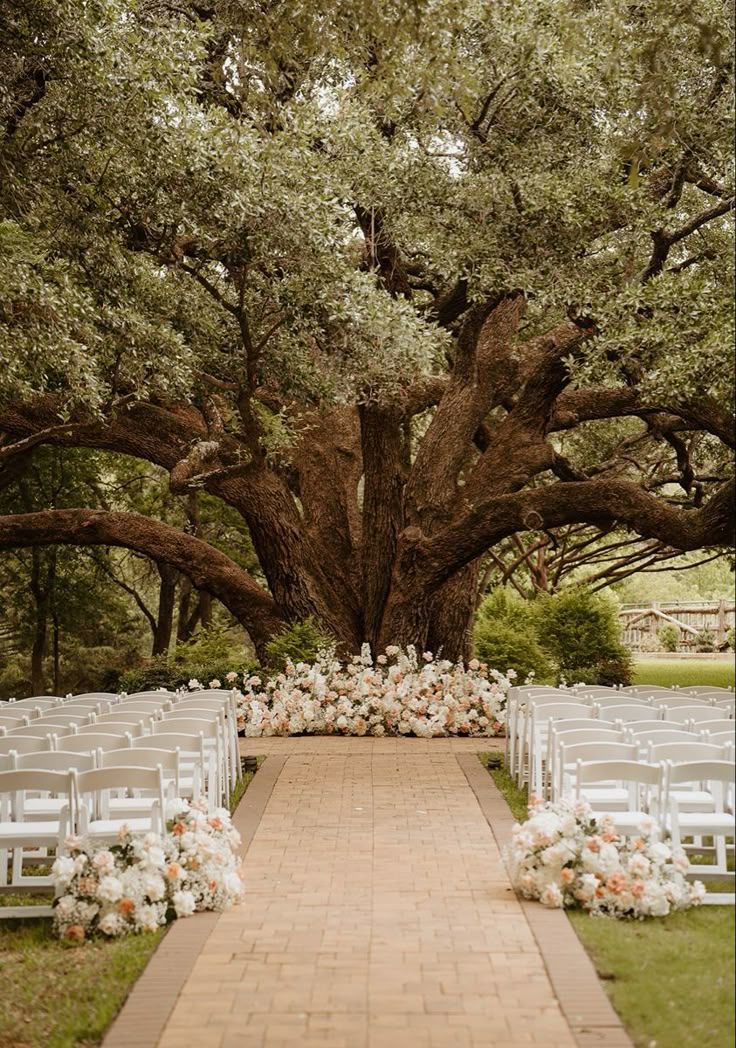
{"x": 671, "y": 979}
{"x": 684, "y": 672}
{"x": 59, "y": 995}
{"x": 55, "y": 995}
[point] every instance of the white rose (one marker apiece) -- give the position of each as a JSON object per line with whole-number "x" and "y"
{"x": 184, "y": 903}
{"x": 109, "y": 889}
{"x": 110, "y": 924}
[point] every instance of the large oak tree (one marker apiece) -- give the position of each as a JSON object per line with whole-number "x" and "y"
{"x": 396, "y": 281}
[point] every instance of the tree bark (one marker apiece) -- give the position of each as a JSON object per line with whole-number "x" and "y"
{"x": 166, "y": 604}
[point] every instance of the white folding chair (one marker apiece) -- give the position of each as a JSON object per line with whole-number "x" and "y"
{"x": 147, "y": 707}
{"x": 198, "y": 770}
{"x": 93, "y": 791}
{"x": 13, "y": 714}
{"x": 691, "y": 799}
{"x": 644, "y": 783}
{"x": 120, "y": 716}
{"x": 561, "y": 732}
{"x": 613, "y": 796}
{"x": 616, "y": 699}
{"x": 226, "y": 703}
{"x": 210, "y": 724}
{"x": 719, "y": 823}
{"x": 645, "y": 689}
{"x": 169, "y": 761}
{"x": 62, "y": 715}
{"x": 517, "y": 701}
{"x": 535, "y": 744}
{"x": 29, "y": 838}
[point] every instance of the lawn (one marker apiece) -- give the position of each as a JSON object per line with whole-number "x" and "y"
{"x": 671, "y": 979}
{"x": 685, "y": 672}
{"x": 58, "y": 995}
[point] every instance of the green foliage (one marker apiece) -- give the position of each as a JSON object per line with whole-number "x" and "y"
{"x": 209, "y": 655}
{"x": 731, "y": 638}
{"x": 669, "y": 637}
{"x": 705, "y": 640}
{"x": 580, "y": 629}
{"x": 298, "y": 643}
{"x": 506, "y": 636}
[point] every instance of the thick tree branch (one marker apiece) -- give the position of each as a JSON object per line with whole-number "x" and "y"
{"x": 207, "y": 567}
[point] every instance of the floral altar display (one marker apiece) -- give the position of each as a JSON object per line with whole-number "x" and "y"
{"x": 141, "y": 883}
{"x": 565, "y": 855}
{"x": 398, "y": 694}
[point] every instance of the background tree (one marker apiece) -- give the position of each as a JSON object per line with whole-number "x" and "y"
{"x": 364, "y": 275}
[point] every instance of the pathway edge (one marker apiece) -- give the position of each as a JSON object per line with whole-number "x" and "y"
{"x": 143, "y": 1017}
{"x": 584, "y": 1003}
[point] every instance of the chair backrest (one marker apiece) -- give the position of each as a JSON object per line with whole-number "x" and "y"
{"x": 672, "y": 701}
{"x": 60, "y": 760}
{"x": 719, "y": 737}
{"x": 618, "y": 771}
{"x": 12, "y": 712}
{"x": 209, "y": 727}
{"x": 121, "y": 727}
{"x": 655, "y": 736}
{"x": 92, "y": 703}
{"x": 616, "y": 699}
{"x": 97, "y": 785}
{"x": 605, "y": 750}
{"x": 40, "y": 700}
{"x": 704, "y": 771}
{"x": 697, "y": 714}
{"x": 111, "y": 696}
{"x": 170, "y": 696}
{"x": 14, "y": 784}
{"x": 43, "y": 729}
{"x": 121, "y": 716}
{"x": 680, "y": 752}
{"x": 92, "y": 741}
{"x": 588, "y": 723}
{"x": 25, "y": 744}
{"x": 167, "y": 760}
{"x": 708, "y": 689}
{"x": 546, "y": 711}
{"x": 571, "y": 736}
{"x": 61, "y": 715}
{"x": 151, "y": 707}
{"x": 186, "y": 742}
{"x": 626, "y": 712}
{"x": 644, "y": 689}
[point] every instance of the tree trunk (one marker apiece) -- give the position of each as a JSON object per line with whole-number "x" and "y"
{"x": 56, "y": 650}
{"x": 166, "y": 604}
{"x": 38, "y": 648}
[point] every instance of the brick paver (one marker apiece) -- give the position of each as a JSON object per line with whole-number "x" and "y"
{"x": 378, "y": 914}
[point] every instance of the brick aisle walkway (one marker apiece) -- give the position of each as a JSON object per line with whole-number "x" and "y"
{"x": 378, "y": 915}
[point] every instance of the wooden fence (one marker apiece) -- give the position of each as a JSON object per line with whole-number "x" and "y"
{"x": 641, "y": 623}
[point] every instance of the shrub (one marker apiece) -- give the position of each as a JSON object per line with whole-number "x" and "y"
{"x": 297, "y": 643}
{"x": 669, "y": 637}
{"x": 506, "y": 636}
{"x": 209, "y": 655}
{"x": 704, "y": 640}
{"x": 731, "y": 638}
{"x": 581, "y": 631}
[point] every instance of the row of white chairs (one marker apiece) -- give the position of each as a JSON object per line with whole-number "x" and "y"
{"x": 189, "y": 741}
{"x": 692, "y": 800}
{"x": 142, "y": 714}
{"x": 528, "y": 708}
{"x": 39, "y": 808}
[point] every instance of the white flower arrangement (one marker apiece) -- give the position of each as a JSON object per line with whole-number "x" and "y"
{"x": 141, "y": 883}
{"x": 564, "y": 855}
{"x": 398, "y": 694}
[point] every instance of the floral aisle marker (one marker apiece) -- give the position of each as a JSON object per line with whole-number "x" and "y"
{"x": 400, "y": 693}
{"x": 564, "y": 855}
{"x": 141, "y": 883}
